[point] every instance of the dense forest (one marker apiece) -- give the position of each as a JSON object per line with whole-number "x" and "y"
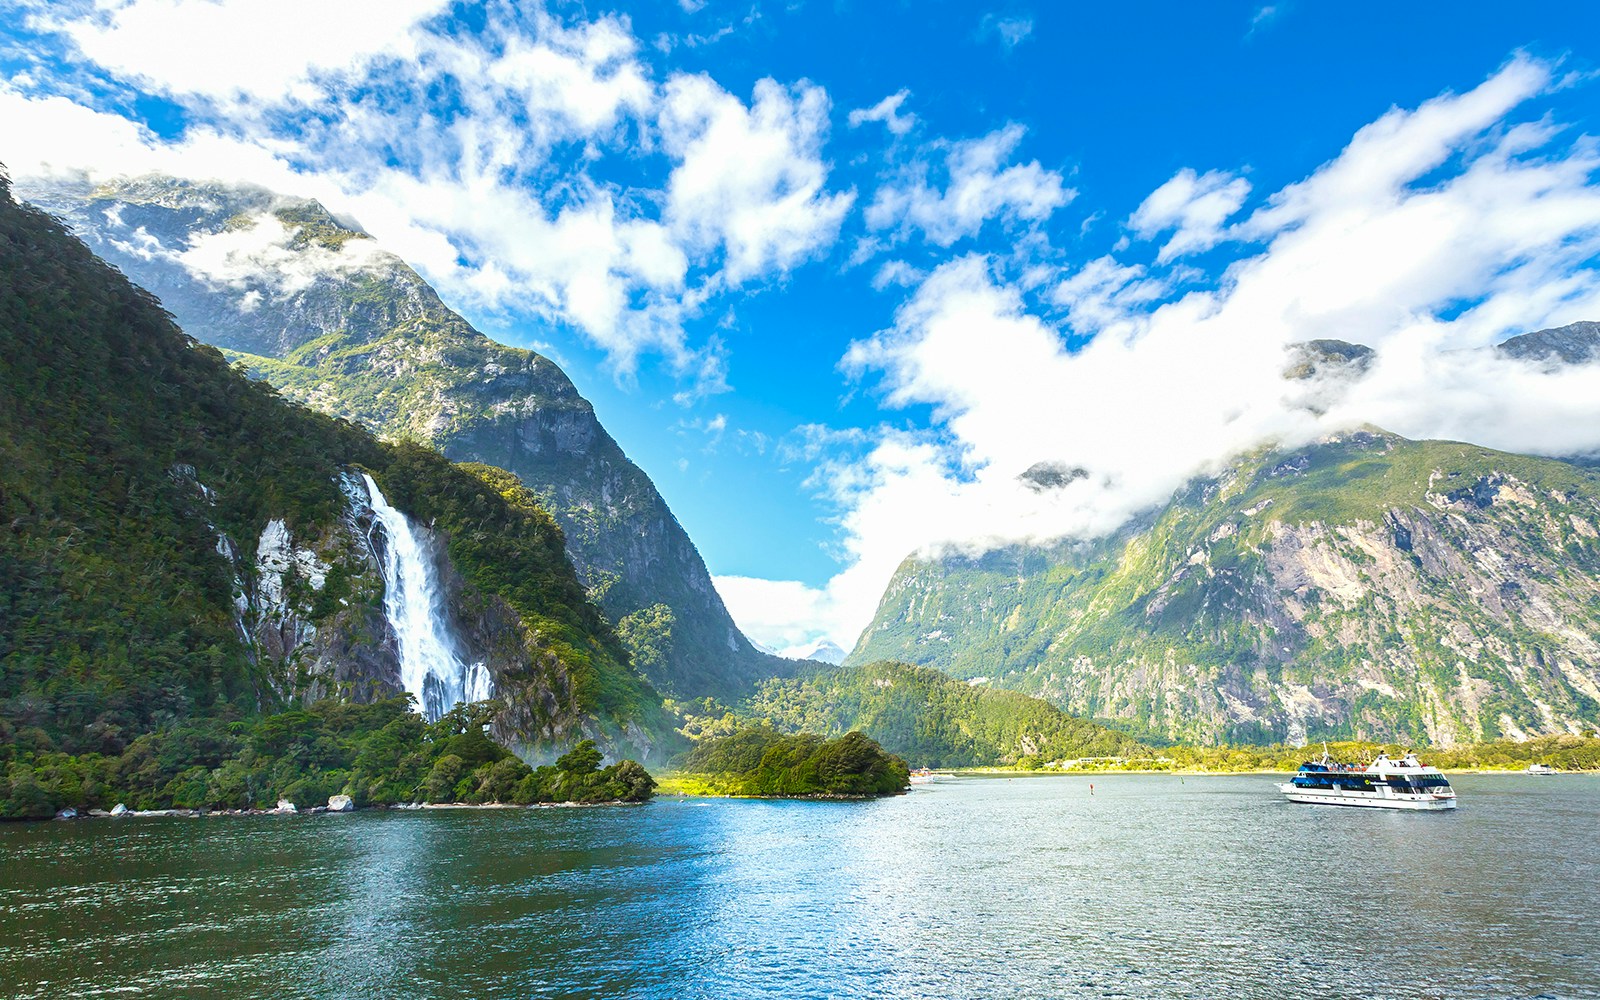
{"x": 379, "y": 754}
{"x": 758, "y": 760}
{"x": 927, "y": 717}
{"x": 131, "y": 457}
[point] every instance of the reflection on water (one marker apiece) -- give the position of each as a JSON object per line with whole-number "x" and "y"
{"x": 1153, "y": 886}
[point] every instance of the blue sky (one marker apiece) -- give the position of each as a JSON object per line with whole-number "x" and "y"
{"x": 835, "y": 273}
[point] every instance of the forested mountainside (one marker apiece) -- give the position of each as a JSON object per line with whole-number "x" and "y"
{"x": 313, "y": 305}
{"x": 925, "y": 716}
{"x": 180, "y": 542}
{"x": 1367, "y": 586}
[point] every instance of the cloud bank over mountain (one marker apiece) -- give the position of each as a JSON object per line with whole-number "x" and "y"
{"x": 1433, "y": 233}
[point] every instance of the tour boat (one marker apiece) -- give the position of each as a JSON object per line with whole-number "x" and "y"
{"x": 1385, "y": 784}
{"x": 1541, "y": 769}
{"x": 922, "y": 776}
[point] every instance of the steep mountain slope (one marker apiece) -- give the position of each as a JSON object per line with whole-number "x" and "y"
{"x": 181, "y": 542}
{"x": 1367, "y": 586}
{"x": 313, "y": 305}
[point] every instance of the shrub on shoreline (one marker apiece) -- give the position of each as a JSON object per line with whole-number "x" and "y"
{"x": 379, "y": 754}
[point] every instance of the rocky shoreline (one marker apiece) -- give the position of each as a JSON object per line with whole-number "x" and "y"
{"x": 335, "y": 805}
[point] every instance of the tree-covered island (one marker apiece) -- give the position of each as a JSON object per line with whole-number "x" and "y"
{"x": 758, "y": 761}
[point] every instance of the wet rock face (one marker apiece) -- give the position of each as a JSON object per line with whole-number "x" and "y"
{"x": 314, "y": 612}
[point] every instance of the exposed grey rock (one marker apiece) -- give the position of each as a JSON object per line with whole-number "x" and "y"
{"x": 119, "y": 810}
{"x": 1321, "y": 358}
{"x": 341, "y": 803}
{"x": 1574, "y": 344}
{"x": 1042, "y": 477}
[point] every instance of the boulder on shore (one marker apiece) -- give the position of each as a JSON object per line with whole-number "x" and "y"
{"x": 340, "y": 804}
{"x": 285, "y": 806}
{"x": 67, "y": 813}
{"x": 119, "y": 810}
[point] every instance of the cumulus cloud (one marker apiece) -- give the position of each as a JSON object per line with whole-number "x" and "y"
{"x": 750, "y": 179}
{"x": 978, "y": 187}
{"x": 1192, "y": 206}
{"x": 1435, "y": 233}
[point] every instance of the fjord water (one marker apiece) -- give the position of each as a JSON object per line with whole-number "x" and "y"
{"x": 1153, "y": 886}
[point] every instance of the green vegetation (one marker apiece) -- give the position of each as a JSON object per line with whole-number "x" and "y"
{"x": 380, "y": 754}
{"x": 1456, "y": 578}
{"x": 925, "y": 716}
{"x": 758, "y": 760}
{"x": 131, "y": 456}
{"x": 1565, "y": 753}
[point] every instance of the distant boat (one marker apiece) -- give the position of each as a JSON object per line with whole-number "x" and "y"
{"x": 1384, "y": 784}
{"x": 1540, "y": 769}
{"x": 922, "y": 776}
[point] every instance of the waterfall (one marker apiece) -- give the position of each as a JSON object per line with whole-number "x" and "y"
{"x": 413, "y": 601}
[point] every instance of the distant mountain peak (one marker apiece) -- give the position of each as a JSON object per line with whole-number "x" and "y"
{"x": 1313, "y": 358}
{"x": 822, "y": 650}
{"x": 1044, "y": 476}
{"x": 1573, "y": 344}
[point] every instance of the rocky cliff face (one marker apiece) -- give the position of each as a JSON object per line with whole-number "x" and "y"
{"x": 312, "y": 304}
{"x": 1369, "y": 586}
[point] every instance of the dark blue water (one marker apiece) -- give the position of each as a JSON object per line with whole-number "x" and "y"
{"x": 1153, "y": 886}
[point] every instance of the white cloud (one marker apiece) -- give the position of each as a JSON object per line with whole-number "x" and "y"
{"x": 1193, "y": 205}
{"x": 775, "y": 613}
{"x": 238, "y": 49}
{"x": 1103, "y": 291}
{"x": 749, "y": 180}
{"x": 886, "y": 111}
{"x": 978, "y": 188}
{"x": 1436, "y": 231}
{"x": 258, "y": 250}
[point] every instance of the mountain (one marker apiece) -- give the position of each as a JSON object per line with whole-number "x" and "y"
{"x": 312, "y": 304}
{"x": 1574, "y": 344}
{"x": 182, "y": 543}
{"x": 820, "y": 650}
{"x": 1366, "y": 586}
{"x": 932, "y": 719}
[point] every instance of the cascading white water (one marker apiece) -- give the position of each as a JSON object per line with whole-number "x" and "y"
{"x": 414, "y": 604}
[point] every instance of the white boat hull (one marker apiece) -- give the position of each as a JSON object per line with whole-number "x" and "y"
{"x": 1372, "y": 800}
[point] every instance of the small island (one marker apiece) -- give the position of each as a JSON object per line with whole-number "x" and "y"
{"x": 758, "y": 761}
